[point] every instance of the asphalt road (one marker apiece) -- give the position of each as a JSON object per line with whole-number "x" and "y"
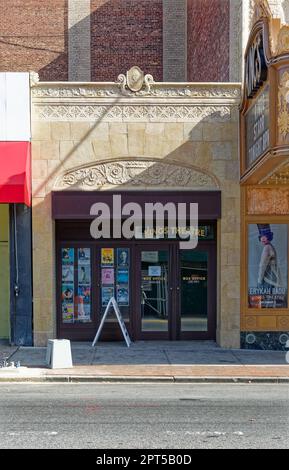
{"x": 100, "y": 416}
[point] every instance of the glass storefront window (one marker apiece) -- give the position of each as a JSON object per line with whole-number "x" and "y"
{"x": 115, "y": 278}
{"x": 267, "y": 265}
{"x": 76, "y": 285}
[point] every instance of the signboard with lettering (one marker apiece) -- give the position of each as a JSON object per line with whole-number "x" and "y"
{"x": 257, "y": 127}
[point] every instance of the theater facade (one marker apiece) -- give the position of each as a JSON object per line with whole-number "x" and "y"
{"x": 149, "y": 143}
{"x": 264, "y": 131}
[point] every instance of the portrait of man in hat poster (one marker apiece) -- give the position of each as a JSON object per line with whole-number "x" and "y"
{"x": 270, "y": 289}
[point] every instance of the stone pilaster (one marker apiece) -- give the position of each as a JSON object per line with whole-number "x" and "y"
{"x": 79, "y": 40}
{"x": 175, "y": 40}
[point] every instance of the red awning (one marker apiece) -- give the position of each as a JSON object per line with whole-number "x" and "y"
{"x": 15, "y": 172}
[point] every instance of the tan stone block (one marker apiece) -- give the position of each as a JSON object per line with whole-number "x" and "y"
{"x": 49, "y": 150}
{"x": 41, "y": 131}
{"x": 98, "y": 130}
{"x": 66, "y": 149}
{"x": 82, "y": 154}
{"x": 40, "y": 338}
{"x": 222, "y": 151}
{"x": 174, "y": 131}
{"x": 38, "y": 188}
{"x": 212, "y": 132}
{"x": 117, "y": 128}
{"x": 154, "y": 145}
{"x": 39, "y": 169}
{"x": 233, "y": 257}
{"x": 193, "y": 131}
{"x": 118, "y": 144}
{"x": 60, "y": 131}
{"x": 170, "y": 147}
{"x": 35, "y": 150}
{"x": 218, "y": 168}
{"x": 79, "y": 130}
{"x": 155, "y": 128}
{"x": 101, "y": 148}
{"x": 228, "y": 338}
{"x": 136, "y": 142}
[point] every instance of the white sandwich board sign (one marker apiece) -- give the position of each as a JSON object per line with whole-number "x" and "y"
{"x": 113, "y": 304}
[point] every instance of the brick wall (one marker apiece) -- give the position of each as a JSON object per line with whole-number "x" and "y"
{"x": 33, "y": 36}
{"x": 208, "y": 40}
{"x": 125, "y": 33}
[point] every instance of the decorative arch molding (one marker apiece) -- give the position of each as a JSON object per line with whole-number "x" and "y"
{"x": 141, "y": 173}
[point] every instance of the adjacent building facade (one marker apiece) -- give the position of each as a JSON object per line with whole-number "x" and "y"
{"x": 264, "y": 124}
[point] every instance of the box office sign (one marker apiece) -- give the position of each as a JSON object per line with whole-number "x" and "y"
{"x": 267, "y": 266}
{"x": 257, "y": 127}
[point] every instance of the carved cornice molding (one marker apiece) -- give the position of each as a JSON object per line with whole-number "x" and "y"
{"x": 135, "y": 174}
{"x": 141, "y": 113}
{"x": 43, "y": 90}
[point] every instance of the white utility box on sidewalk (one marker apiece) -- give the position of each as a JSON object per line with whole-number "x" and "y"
{"x": 58, "y": 354}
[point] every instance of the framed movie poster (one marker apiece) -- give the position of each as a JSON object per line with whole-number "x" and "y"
{"x": 267, "y": 265}
{"x": 123, "y": 257}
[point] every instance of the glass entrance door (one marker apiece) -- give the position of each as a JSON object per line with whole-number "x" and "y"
{"x": 154, "y": 288}
{"x": 197, "y": 293}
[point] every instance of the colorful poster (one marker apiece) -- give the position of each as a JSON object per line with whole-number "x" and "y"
{"x": 122, "y": 276}
{"x": 67, "y": 256}
{"x": 267, "y": 265}
{"x": 83, "y": 311}
{"x": 84, "y": 275}
{"x": 123, "y": 295}
{"x": 67, "y": 312}
{"x": 67, "y": 273}
{"x": 83, "y": 256}
{"x": 107, "y": 256}
{"x": 67, "y": 292}
{"x": 106, "y": 294}
{"x": 123, "y": 257}
{"x": 107, "y": 276}
{"x": 83, "y": 294}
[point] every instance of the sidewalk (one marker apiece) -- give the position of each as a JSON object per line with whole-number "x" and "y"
{"x": 188, "y": 361}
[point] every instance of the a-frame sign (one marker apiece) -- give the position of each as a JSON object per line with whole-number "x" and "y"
{"x": 113, "y": 304}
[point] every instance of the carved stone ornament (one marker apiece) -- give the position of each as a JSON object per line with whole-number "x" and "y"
{"x": 283, "y": 40}
{"x": 283, "y": 105}
{"x": 135, "y": 81}
{"x": 34, "y": 78}
{"x": 261, "y": 10}
{"x": 135, "y": 173}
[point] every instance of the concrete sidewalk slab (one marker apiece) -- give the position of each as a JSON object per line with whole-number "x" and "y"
{"x": 153, "y": 362}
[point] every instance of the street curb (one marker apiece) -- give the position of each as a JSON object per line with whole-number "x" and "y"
{"x": 145, "y": 379}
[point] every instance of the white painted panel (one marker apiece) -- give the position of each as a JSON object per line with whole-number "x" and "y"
{"x": 2, "y": 106}
{"x": 18, "y": 106}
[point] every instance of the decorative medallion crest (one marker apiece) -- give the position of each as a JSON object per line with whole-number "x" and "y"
{"x": 135, "y": 81}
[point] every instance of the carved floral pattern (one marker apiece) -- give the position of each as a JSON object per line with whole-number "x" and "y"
{"x": 136, "y": 173}
{"x": 124, "y": 113}
{"x": 283, "y": 101}
{"x": 111, "y": 90}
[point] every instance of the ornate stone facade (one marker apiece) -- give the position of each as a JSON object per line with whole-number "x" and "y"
{"x": 171, "y": 136}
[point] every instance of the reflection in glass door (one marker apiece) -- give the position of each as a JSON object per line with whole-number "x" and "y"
{"x": 154, "y": 290}
{"x": 194, "y": 290}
